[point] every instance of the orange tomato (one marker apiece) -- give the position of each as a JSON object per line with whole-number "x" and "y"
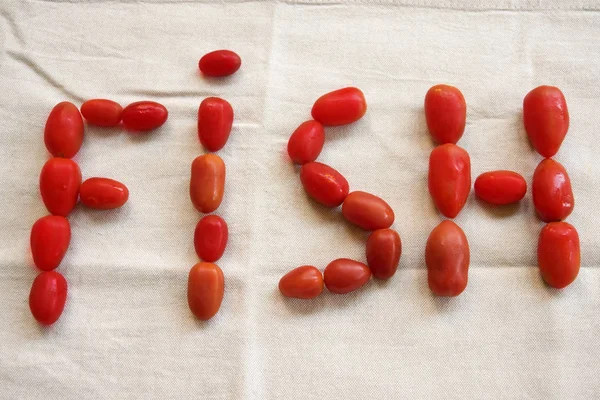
{"x": 305, "y": 282}
{"x": 205, "y": 290}
{"x": 207, "y": 182}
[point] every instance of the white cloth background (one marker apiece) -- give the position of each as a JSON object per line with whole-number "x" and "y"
{"x": 127, "y": 332}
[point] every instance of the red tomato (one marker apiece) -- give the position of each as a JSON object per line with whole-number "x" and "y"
{"x": 144, "y": 116}
{"x": 559, "y": 254}
{"x": 59, "y": 185}
{"x": 47, "y": 297}
{"x": 207, "y": 183}
{"x": 546, "y": 119}
{"x": 344, "y": 275}
{"x": 306, "y": 142}
{"x": 552, "y": 192}
{"x": 446, "y": 113}
{"x": 383, "y": 252}
{"x": 324, "y": 184}
{"x": 340, "y": 107}
{"x": 447, "y": 257}
{"x": 449, "y": 178}
{"x": 367, "y": 211}
{"x": 49, "y": 239}
{"x": 102, "y": 112}
{"x": 220, "y": 63}
{"x": 500, "y": 187}
{"x": 215, "y": 117}
{"x": 63, "y": 134}
{"x": 210, "y": 238}
{"x": 205, "y": 290}
{"x": 304, "y": 282}
{"x": 103, "y": 193}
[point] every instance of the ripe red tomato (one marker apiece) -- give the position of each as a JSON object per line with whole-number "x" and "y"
{"x": 305, "y": 282}
{"x": 367, "y": 211}
{"x": 445, "y": 113}
{"x": 144, "y": 116}
{"x": 63, "y": 134}
{"x": 552, "y": 192}
{"x": 59, "y": 185}
{"x": 340, "y": 107}
{"x": 205, "y": 290}
{"x": 447, "y": 257}
{"x": 344, "y": 275}
{"x": 219, "y": 63}
{"x": 546, "y": 119}
{"x": 324, "y": 184}
{"x": 210, "y": 238}
{"x": 449, "y": 178}
{"x": 103, "y": 193}
{"x": 207, "y": 182}
{"x": 47, "y": 297}
{"x": 383, "y": 252}
{"x": 215, "y": 118}
{"x": 306, "y": 142}
{"x": 102, "y": 112}
{"x": 49, "y": 239}
{"x": 559, "y": 254}
{"x": 500, "y": 187}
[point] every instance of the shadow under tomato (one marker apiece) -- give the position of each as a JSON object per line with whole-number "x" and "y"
{"x": 103, "y": 216}
{"x": 104, "y": 131}
{"x": 144, "y": 136}
{"x": 497, "y": 211}
{"x": 301, "y": 306}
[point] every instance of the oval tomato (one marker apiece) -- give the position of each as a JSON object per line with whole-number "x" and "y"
{"x": 63, "y": 134}
{"x": 340, "y": 107}
{"x": 500, "y": 187}
{"x": 449, "y": 178}
{"x": 210, "y": 238}
{"x": 447, "y": 257}
{"x": 48, "y": 297}
{"x": 305, "y": 282}
{"x": 344, "y": 275}
{"x": 60, "y": 180}
{"x": 103, "y": 193}
{"x": 215, "y": 118}
{"x": 207, "y": 182}
{"x": 445, "y": 113}
{"x": 306, "y": 142}
{"x": 205, "y": 290}
{"x": 552, "y": 192}
{"x": 324, "y": 184}
{"x": 49, "y": 239}
{"x": 383, "y": 253}
{"x": 144, "y": 116}
{"x": 219, "y": 63}
{"x": 546, "y": 119}
{"x": 559, "y": 254}
{"x": 367, "y": 211}
{"x": 102, "y": 112}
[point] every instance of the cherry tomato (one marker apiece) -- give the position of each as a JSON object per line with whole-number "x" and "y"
{"x": 48, "y": 297}
{"x": 558, "y": 254}
{"x": 306, "y": 142}
{"x": 207, "y": 183}
{"x": 103, "y": 193}
{"x": 447, "y": 257}
{"x": 210, "y": 238}
{"x": 449, "y": 178}
{"x": 63, "y": 134}
{"x": 367, "y": 211}
{"x": 546, "y": 119}
{"x": 445, "y": 113}
{"x": 102, "y": 112}
{"x": 552, "y": 192}
{"x": 49, "y": 239}
{"x": 324, "y": 184}
{"x": 205, "y": 290}
{"x": 383, "y": 253}
{"x": 500, "y": 187}
{"x": 144, "y": 116}
{"x": 220, "y": 63}
{"x": 340, "y": 107}
{"x": 305, "y": 282}
{"x": 215, "y": 117}
{"x": 344, "y": 275}
{"x": 59, "y": 185}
